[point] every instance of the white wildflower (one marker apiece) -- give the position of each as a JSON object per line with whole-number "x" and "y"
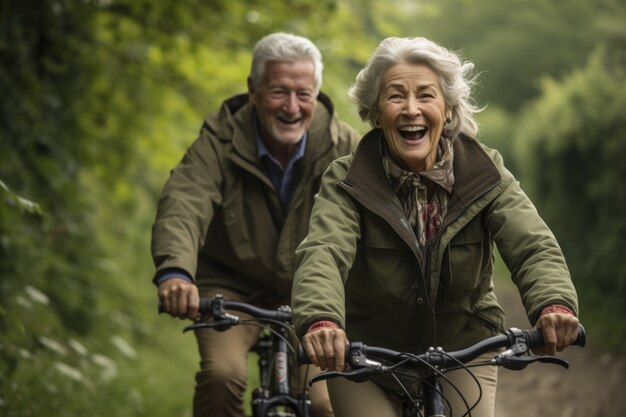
{"x": 78, "y": 347}
{"x": 107, "y": 365}
{"x": 123, "y": 346}
{"x": 37, "y": 295}
{"x": 137, "y": 399}
{"x": 21, "y": 301}
{"x": 121, "y": 319}
{"x": 24, "y": 353}
{"x": 69, "y": 371}
{"x": 53, "y": 345}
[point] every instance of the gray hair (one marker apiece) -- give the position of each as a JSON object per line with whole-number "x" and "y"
{"x": 284, "y": 47}
{"x": 454, "y": 76}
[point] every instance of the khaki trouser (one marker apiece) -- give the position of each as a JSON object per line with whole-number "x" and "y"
{"x": 366, "y": 399}
{"x": 222, "y": 380}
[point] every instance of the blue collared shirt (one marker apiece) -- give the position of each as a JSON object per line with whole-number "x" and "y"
{"x": 284, "y": 179}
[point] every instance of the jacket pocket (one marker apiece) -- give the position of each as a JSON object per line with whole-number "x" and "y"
{"x": 464, "y": 261}
{"x": 485, "y": 322}
{"x": 390, "y": 265}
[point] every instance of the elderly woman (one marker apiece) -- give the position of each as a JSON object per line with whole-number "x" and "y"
{"x": 400, "y": 245}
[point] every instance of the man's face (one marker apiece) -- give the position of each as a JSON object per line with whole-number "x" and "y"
{"x": 285, "y": 102}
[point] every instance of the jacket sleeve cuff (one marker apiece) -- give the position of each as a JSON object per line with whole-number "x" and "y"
{"x": 170, "y": 273}
{"x": 322, "y": 324}
{"x": 556, "y": 308}
{"x": 306, "y": 328}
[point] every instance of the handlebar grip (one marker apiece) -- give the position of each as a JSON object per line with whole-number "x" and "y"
{"x": 204, "y": 308}
{"x": 303, "y": 358}
{"x": 534, "y": 337}
{"x": 205, "y": 305}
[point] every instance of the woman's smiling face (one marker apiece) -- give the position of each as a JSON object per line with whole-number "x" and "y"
{"x": 412, "y": 115}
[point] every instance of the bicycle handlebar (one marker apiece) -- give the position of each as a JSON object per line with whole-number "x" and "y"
{"x": 521, "y": 340}
{"x": 216, "y": 305}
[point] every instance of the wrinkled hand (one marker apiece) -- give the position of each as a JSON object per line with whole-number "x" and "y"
{"x": 180, "y": 298}
{"x": 559, "y": 331}
{"x": 326, "y": 348}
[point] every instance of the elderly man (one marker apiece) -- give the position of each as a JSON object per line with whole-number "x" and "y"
{"x": 237, "y": 205}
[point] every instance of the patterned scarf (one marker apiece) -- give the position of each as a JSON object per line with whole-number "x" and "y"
{"x": 423, "y": 211}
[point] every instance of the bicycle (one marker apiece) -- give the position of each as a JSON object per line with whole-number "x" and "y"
{"x": 274, "y": 397}
{"x": 366, "y": 362}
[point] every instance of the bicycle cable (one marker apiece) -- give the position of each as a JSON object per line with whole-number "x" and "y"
{"x": 442, "y": 375}
{"x": 464, "y": 367}
{"x": 258, "y": 323}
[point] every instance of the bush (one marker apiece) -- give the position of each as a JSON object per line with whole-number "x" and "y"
{"x": 570, "y": 147}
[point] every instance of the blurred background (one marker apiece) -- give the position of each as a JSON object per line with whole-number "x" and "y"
{"x": 100, "y": 98}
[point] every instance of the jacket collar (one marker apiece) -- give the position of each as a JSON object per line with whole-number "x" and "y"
{"x": 367, "y": 183}
{"x": 475, "y": 175}
{"x": 234, "y": 123}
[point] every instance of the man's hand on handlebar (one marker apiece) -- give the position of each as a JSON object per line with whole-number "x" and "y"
{"x": 559, "y": 331}
{"x": 326, "y": 348}
{"x": 180, "y": 298}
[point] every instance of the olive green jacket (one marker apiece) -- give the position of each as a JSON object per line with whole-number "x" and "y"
{"x": 219, "y": 217}
{"x": 361, "y": 266}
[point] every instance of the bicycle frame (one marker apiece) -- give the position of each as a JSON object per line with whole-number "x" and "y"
{"x": 273, "y": 351}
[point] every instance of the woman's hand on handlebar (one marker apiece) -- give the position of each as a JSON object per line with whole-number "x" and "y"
{"x": 180, "y": 298}
{"x": 559, "y": 331}
{"x": 326, "y": 348}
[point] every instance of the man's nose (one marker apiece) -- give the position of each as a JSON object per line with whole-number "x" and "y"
{"x": 291, "y": 103}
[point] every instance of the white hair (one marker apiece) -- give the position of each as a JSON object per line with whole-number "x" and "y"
{"x": 454, "y": 76}
{"x": 284, "y": 47}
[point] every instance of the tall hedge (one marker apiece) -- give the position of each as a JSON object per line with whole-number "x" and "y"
{"x": 571, "y": 146}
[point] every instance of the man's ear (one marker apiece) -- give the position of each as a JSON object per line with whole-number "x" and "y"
{"x": 251, "y": 91}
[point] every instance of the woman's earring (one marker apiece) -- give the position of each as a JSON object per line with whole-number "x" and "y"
{"x": 448, "y": 120}
{"x": 377, "y": 124}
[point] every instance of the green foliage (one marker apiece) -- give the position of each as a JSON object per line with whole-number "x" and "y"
{"x": 497, "y": 128}
{"x": 512, "y": 43}
{"x": 101, "y": 98}
{"x": 571, "y": 145}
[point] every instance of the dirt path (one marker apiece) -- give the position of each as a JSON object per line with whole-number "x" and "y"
{"x": 593, "y": 386}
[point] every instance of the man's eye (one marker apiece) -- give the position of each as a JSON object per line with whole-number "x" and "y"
{"x": 304, "y": 95}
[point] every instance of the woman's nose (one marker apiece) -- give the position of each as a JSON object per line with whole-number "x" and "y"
{"x": 412, "y": 107}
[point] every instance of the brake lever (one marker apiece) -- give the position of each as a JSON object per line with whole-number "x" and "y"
{"x": 516, "y": 363}
{"x": 355, "y": 375}
{"x": 553, "y": 360}
{"x": 219, "y": 325}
